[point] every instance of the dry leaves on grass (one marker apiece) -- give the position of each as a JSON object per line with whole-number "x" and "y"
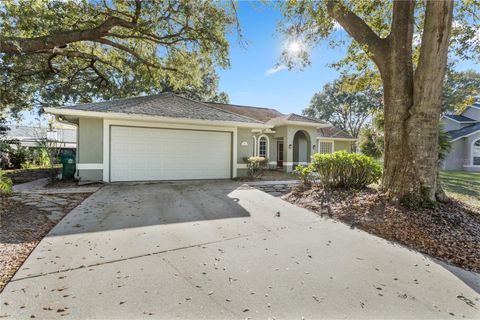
{"x": 450, "y": 232}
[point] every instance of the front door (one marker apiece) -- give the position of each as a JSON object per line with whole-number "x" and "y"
{"x": 280, "y": 154}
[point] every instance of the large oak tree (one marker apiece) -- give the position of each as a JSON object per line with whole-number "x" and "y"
{"x": 408, "y": 42}
{"x": 57, "y": 51}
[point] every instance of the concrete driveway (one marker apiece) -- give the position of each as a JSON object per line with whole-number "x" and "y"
{"x": 220, "y": 250}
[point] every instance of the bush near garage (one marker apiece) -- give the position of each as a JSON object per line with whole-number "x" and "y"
{"x": 256, "y": 166}
{"x": 346, "y": 170}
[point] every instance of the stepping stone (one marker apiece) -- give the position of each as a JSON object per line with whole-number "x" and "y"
{"x": 55, "y": 216}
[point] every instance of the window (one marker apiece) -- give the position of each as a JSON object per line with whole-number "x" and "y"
{"x": 325, "y": 147}
{"x": 476, "y": 153}
{"x": 262, "y": 147}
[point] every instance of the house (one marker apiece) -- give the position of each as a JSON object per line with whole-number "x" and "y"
{"x": 169, "y": 137}
{"x": 464, "y": 129}
{"x": 65, "y": 138}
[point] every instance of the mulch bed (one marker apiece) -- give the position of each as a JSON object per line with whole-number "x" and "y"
{"x": 27, "y": 175}
{"x": 21, "y": 229}
{"x": 450, "y": 232}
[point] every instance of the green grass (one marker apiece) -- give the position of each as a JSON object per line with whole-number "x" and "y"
{"x": 462, "y": 185}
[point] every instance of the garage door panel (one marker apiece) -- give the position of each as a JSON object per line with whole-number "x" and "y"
{"x": 168, "y": 154}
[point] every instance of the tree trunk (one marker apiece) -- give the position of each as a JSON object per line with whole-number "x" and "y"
{"x": 412, "y": 112}
{"x": 412, "y": 100}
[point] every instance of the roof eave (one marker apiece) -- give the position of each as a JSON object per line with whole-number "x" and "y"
{"x": 466, "y": 135}
{"x": 284, "y": 122}
{"x": 463, "y": 122}
{"x": 336, "y": 138}
{"x": 142, "y": 117}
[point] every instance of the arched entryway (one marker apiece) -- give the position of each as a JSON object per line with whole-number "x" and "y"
{"x": 302, "y": 147}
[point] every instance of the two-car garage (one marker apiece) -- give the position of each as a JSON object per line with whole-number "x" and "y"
{"x": 142, "y": 154}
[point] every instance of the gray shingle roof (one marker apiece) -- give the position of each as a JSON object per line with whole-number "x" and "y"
{"x": 257, "y": 113}
{"x": 333, "y": 132}
{"x": 298, "y": 118}
{"x": 25, "y": 133}
{"x": 164, "y": 105}
{"x": 455, "y": 134}
{"x": 459, "y": 118}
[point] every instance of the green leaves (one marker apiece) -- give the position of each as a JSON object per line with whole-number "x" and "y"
{"x": 79, "y": 51}
{"x": 346, "y": 170}
{"x": 344, "y": 107}
{"x": 5, "y": 183}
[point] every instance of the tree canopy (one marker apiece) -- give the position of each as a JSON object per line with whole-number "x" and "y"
{"x": 345, "y": 109}
{"x": 53, "y": 52}
{"x": 312, "y": 22}
{"x": 460, "y": 90}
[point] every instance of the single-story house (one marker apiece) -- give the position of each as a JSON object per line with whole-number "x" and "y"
{"x": 169, "y": 137}
{"x": 26, "y": 136}
{"x": 464, "y": 129}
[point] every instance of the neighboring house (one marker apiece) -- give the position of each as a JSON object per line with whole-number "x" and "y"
{"x": 168, "y": 137}
{"x": 464, "y": 130}
{"x": 30, "y": 136}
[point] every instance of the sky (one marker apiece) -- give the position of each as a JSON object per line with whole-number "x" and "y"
{"x": 255, "y": 78}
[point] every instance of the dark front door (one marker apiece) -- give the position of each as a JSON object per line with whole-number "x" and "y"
{"x": 280, "y": 154}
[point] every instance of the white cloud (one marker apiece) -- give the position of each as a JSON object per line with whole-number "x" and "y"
{"x": 275, "y": 69}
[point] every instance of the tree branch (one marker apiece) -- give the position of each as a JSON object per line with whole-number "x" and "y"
{"x": 126, "y": 49}
{"x": 359, "y": 30}
{"x": 60, "y": 39}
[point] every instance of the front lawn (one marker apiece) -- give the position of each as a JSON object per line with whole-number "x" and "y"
{"x": 463, "y": 186}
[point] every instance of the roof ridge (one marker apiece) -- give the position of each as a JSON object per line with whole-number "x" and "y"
{"x": 117, "y": 99}
{"x": 226, "y": 111}
{"x": 241, "y": 105}
{"x": 306, "y": 117}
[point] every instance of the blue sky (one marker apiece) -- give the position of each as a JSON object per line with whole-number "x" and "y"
{"x": 248, "y": 81}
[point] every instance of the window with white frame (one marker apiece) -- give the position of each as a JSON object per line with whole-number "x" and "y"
{"x": 325, "y": 146}
{"x": 476, "y": 153}
{"x": 262, "y": 147}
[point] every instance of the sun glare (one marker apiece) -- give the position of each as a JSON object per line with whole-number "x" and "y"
{"x": 295, "y": 47}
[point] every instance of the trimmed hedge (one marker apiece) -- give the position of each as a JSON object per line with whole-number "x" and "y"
{"x": 346, "y": 170}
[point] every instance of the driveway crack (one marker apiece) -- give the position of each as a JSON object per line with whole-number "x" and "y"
{"x": 130, "y": 258}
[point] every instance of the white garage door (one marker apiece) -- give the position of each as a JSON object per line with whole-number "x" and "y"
{"x": 139, "y": 154}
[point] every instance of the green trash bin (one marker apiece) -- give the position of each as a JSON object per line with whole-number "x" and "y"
{"x": 68, "y": 166}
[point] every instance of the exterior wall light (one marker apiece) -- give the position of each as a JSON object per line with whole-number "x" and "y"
{"x": 290, "y": 146}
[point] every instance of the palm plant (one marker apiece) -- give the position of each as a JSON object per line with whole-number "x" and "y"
{"x": 5, "y": 183}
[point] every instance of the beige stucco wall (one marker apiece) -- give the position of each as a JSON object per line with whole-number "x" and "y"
{"x": 341, "y": 145}
{"x": 90, "y": 147}
{"x": 244, "y": 135}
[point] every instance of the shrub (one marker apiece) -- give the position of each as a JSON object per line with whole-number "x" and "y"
{"x": 256, "y": 166}
{"x": 5, "y": 183}
{"x": 346, "y": 170}
{"x": 18, "y": 156}
{"x": 305, "y": 173}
